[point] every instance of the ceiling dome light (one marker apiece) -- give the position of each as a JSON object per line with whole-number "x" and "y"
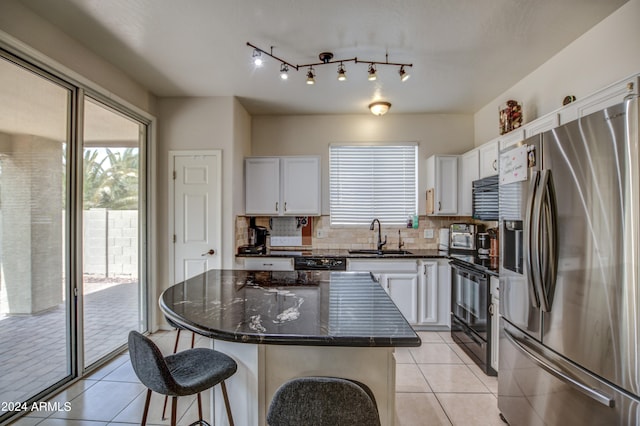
{"x": 404, "y": 76}
{"x": 284, "y": 71}
{"x": 379, "y": 108}
{"x": 342, "y": 76}
{"x": 372, "y": 73}
{"x": 311, "y": 76}
{"x": 257, "y": 58}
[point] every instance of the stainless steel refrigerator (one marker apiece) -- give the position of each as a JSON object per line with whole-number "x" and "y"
{"x": 569, "y": 343}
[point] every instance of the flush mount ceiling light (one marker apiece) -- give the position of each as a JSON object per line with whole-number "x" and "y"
{"x": 379, "y": 108}
{"x": 327, "y": 58}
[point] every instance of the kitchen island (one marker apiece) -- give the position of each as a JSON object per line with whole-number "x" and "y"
{"x": 282, "y": 325}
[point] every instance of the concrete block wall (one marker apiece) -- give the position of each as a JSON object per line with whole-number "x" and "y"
{"x": 111, "y": 243}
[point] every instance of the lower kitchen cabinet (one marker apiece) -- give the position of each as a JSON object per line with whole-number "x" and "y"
{"x": 420, "y": 289}
{"x": 403, "y": 290}
{"x": 428, "y": 294}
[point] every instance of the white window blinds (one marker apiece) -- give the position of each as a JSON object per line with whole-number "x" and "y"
{"x": 367, "y": 182}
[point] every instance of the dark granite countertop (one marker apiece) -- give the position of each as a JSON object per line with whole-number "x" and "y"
{"x": 313, "y": 308}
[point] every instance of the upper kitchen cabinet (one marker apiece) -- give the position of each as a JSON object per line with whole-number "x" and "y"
{"x": 281, "y": 186}
{"x": 469, "y": 171}
{"x": 511, "y": 139}
{"x": 442, "y": 185}
{"x": 608, "y": 96}
{"x": 489, "y": 159}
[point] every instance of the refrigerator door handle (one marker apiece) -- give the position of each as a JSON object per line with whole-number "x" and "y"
{"x": 559, "y": 374}
{"x": 528, "y": 240}
{"x": 538, "y": 237}
{"x": 549, "y": 242}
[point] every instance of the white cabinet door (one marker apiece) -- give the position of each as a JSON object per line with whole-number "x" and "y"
{"x": 444, "y": 292}
{"x": 403, "y": 290}
{"x": 262, "y": 186}
{"x": 428, "y": 293}
{"x": 301, "y": 186}
{"x": 442, "y": 181}
{"x": 542, "y": 124}
{"x": 511, "y": 139}
{"x": 488, "y": 159}
{"x": 469, "y": 171}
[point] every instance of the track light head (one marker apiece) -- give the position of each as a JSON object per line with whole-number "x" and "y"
{"x": 342, "y": 73}
{"x": 284, "y": 71}
{"x": 404, "y": 76}
{"x": 311, "y": 76}
{"x": 372, "y": 72}
{"x": 257, "y": 57}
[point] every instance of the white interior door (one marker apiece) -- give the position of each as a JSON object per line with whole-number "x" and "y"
{"x": 197, "y": 211}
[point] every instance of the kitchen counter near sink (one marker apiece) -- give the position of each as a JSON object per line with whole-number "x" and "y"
{"x": 410, "y": 253}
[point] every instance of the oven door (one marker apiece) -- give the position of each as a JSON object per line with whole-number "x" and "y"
{"x": 469, "y": 297}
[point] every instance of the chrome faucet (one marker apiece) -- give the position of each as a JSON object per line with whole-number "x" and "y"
{"x": 380, "y": 242}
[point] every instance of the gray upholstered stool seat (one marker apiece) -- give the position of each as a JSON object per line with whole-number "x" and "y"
{"x": 175, "y": 349}
{"x": 184, "y": 373}
{"x": 323, "y": 401}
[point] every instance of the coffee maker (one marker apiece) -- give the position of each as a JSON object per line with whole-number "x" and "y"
{"x": 257, "y": 239}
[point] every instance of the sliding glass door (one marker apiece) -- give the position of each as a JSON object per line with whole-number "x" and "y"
{"x": 35, "y": 317}
{"x": 112, "y": 289}
{"x": 72, "y": 230}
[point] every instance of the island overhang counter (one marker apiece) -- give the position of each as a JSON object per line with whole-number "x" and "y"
{"x": 282, "y": 325}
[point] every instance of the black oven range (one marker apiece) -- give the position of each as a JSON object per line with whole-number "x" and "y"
{"x": 470, "y": 306}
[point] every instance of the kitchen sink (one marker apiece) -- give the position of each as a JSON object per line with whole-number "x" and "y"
{"x": 379, "y": 252}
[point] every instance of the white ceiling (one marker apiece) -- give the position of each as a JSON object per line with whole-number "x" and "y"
{"x": 465, "y": 52}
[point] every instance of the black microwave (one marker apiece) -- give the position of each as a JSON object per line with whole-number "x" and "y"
{"x": 485, "y": 198}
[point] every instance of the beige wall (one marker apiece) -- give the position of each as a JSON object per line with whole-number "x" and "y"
{"x": 607, "y": 53}
{"x": 202, "y": 124}
{"x": 312, "y": 134}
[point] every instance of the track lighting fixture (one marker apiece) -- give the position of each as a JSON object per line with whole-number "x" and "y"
{"x": 311, "y": 76}
{"x": 284, "y": 71}
{"x": 342, "y": 76}
{"x": 372, "y": 72}
{"x": 326, "y": 58}
{"x": 404, "y": 76}
{"x": 379, "y": 108}
{"x": 257, "y": 57}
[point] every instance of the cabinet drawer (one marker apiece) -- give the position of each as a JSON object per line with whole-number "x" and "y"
{"x": 269, "y": 264}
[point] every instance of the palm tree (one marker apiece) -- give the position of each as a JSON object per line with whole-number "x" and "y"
{"x": 111, "y": 181}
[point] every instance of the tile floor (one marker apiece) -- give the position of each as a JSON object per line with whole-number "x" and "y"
{"x": 437, "y": 384}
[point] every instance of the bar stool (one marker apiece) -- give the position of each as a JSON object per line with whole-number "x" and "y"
{"x": 184, "y": 373}
{"x": 323, "y": 401}
{"x": 175, "y": 349}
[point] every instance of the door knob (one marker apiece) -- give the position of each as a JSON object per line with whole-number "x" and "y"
{"x": 209, "y": 253}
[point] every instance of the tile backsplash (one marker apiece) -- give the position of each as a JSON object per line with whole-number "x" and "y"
{"x": 325, "y": 237}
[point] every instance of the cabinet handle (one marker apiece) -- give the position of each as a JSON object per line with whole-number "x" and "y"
{"x": 425, "y": 269}
{"x": 495, "y": 165}
{"x": 439, "y": 206}
{"x": 276, "y": 206}
{"x": 491, "y": 309}
{"x": 285, "y": 206}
